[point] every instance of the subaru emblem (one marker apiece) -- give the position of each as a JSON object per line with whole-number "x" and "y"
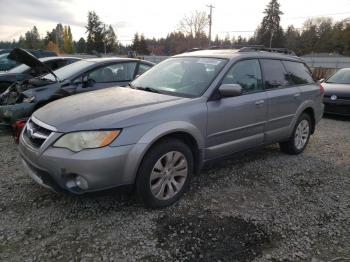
{"x": 334, "y": 97}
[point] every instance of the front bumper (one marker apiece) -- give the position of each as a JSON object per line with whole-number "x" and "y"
{"x": 337, "y": 107}
{"x": 10, "y": 113}
{"x": 102, "y": 168}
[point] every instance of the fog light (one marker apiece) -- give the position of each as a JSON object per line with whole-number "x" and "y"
{"x": 81, "y": 182}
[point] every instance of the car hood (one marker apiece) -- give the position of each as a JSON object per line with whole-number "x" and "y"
{"x": 340, "y": 90}
{"x": 108, "y": 108}
{"x": 22, "y": 56}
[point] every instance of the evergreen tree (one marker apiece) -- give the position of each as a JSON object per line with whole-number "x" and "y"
{"x": 111, "y": 40}
{"x": 32, "y": 39}
{"x": 143, "y": 49}
{"x": 135, "y": 46}
{"x": 270, "y": 33}
{"x": 292, "y": 37}
{"x": 81, "y": 46}
{"x": 95, "y": 30}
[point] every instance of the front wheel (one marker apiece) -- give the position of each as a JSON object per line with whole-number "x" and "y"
{"x": 164, "y": 173}
{"x": 300, "y": 137}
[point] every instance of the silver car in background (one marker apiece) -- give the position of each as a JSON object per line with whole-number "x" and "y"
{"x": 159, "y": 131}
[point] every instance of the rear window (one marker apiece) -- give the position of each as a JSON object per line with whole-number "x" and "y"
{"x": 298, "y": 73}
{"x": 275, "y": 75}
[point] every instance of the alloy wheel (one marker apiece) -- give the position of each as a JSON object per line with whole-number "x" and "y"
{"x": 301, "y": 134}
{"x": 168, "y": 175}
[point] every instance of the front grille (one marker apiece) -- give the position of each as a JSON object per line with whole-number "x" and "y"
{"x": 36, "y": 134}
{"x": 338, "y": 97}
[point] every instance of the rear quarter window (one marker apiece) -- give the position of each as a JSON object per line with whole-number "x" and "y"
{"x": 298, "y": 73}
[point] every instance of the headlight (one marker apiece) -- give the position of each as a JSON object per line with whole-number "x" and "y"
{"x": 78, "y": 141}
{"x": 29, "y": 99}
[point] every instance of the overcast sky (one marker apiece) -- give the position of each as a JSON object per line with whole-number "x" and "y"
{"x": 155, "y": 18}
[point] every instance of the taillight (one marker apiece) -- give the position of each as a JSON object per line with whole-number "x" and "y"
{"x": 18, "y": 126}
{"x": 321, "y": 88}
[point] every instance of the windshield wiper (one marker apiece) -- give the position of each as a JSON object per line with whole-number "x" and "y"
{"x": 148, "y": 89}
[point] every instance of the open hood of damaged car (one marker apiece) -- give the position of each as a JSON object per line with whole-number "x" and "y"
{"x": 22, "y": 56}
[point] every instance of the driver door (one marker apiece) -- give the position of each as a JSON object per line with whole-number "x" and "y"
{"x": 117, "y": 74}
{"x": 238, "y": 123}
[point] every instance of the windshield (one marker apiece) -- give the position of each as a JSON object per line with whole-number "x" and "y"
{"x": 68, "y": 71}
{"x": 340, "y": 77}
{"x": 19, "y": 69}
{"x": 182, "y": 76}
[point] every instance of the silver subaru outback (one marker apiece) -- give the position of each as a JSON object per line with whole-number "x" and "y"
{"x": 159, "y": 131}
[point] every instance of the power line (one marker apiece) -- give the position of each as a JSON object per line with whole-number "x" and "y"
{"x": 303, "y": 17}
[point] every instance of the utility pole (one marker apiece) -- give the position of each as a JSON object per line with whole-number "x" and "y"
{"x": 210, "y": 21}
{"x": 271, "y": 38}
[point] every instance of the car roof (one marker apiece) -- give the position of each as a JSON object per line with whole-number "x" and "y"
{"x": 45, "y": 59}
{"x": 236, "y": 53}
{"x": 111, "y": 59}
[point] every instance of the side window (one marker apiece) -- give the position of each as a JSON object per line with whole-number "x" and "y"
{"x": 143, "y": 68}
{"x": 274, "y": 74}
{"x": 120, "y": 72}
{"x": 247, "y": 73}
{"x": 298, "y": 73}
{"x": 53, "y": 65}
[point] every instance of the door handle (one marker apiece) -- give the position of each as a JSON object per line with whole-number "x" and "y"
{"x": 297, "y": 95}
{"x": 260, "y": 102}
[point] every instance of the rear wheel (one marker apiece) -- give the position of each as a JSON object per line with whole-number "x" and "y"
{"x": 300, "y": 137}
{"x": 164, "y": 173}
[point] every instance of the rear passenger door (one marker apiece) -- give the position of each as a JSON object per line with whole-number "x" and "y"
{"x": 283, "y": 99}
{"x": 237, "y": 123}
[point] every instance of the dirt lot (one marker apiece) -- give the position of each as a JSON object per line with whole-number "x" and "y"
{"x": 262, "y": 206}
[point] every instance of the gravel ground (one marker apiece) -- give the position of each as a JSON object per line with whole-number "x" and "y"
{"x": 261, "y": 206}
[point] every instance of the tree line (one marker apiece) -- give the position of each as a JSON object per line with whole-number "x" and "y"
{"x": 318, "y": 35}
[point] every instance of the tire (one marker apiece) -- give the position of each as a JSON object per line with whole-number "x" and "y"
{"x": 300, "y": 136}
{"x": 165, "y": 173}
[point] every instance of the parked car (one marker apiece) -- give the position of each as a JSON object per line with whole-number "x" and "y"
{"x": 337, "y": 93}
{"x": 23, "y": 98}
{"x": 6, "y": 63}
{"x": 184, "y": 112}
{"x": 24, "y": 72}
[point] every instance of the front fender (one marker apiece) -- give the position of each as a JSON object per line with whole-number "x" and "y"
{"x": 148, "y": 139}
{"x": 171, "y": 127}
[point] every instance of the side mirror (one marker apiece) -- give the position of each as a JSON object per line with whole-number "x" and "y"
{"x": 230, "y": 90}
{"x": 87, "y": 82}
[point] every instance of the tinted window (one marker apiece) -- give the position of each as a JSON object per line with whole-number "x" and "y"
{"x": 340, "y": 77}
{"x": 246, "y": 73}
{"x": 298, "y": 73}
{"x": 274, "y": 74}
{"x": 143, "y": 68}
{"x": 120, "y": 72}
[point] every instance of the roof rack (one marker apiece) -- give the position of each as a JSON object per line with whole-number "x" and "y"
{"x": 285, "y": 51}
